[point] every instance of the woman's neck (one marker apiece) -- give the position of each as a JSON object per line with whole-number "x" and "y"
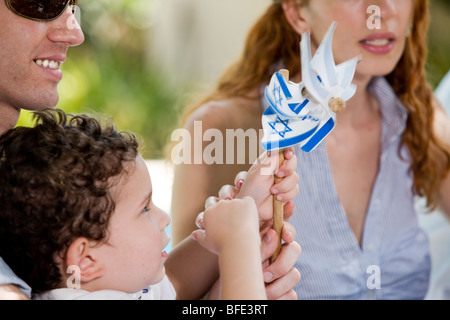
{"x": 362, "y": 107}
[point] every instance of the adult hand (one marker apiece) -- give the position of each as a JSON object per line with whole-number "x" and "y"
{"x": 280, "y": 276}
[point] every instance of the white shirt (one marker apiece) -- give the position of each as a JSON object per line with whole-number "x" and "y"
{"x": 160, "y": 291}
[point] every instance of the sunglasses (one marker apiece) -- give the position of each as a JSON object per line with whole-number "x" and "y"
{"x": 40, "y": 10}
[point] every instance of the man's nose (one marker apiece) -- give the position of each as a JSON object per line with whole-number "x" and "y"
{"x": 66, "y": 29}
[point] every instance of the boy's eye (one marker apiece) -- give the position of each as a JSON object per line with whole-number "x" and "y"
{"x": 146, "y": 209}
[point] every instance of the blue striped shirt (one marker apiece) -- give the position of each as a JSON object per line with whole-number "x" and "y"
{"x": 393, "y": 261}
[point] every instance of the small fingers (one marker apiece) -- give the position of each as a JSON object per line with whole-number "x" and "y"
{"x": 199, "y": 220}
{"x": 199, "y": 236}
{"x": 211, "y": 201}
{"x": 227, "y": 192}
{"x": 239, "y": 179}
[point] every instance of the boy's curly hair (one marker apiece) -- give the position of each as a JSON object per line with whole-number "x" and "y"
{"x": 55, "y": 181}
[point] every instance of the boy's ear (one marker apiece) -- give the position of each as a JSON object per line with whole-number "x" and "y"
{"x": 294, "y": 15}
{"x": 82, "y": 255}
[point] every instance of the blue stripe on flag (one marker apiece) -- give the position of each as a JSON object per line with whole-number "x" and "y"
{"x": 282, "y": 82}
{"x": 319, "y": 136}
{"x": 284, "y": 143}
{"x": 297, "y": 107}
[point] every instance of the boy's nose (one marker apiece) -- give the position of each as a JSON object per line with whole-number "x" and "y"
{"x": 164, "y": 219}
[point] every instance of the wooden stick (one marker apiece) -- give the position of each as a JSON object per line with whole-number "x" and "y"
{"x": 278, "y": 211}
{"x": 335, "y": 104}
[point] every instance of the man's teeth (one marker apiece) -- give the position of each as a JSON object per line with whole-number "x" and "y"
{"x": 377, "y": 42}
{"x": 48, "y": 63}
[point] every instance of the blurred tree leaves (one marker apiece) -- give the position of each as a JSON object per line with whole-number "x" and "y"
{"x": 438, "y": 41}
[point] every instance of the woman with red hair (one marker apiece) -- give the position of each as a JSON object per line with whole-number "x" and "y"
{"x": 354, "y": 215}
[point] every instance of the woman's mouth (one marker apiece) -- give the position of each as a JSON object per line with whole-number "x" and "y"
{"x": 379, "y": 43}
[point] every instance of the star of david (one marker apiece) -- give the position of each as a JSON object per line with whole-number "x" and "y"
{"x": 280, "y": 126}
{"x": 277, "y": 95}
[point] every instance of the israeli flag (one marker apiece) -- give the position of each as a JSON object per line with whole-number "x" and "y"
{"x": 300, "y": 113}
{"x": 292, "y": 119}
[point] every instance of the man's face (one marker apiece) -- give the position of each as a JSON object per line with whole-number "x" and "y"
{"x": 30, "y": 57}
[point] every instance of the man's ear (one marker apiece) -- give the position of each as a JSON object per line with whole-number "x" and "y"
{"x": 82, "y": 254}
{"x": 295, "y": 16}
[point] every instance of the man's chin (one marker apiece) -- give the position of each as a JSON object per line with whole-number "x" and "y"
{"x": 42, "y": 103}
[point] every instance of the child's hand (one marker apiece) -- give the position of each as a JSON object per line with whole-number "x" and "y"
{"x": 231, "y": 230}
{"x": 258, "y": 183}
{"x": 229, "y": 223}
{"x": 281, "y": 275}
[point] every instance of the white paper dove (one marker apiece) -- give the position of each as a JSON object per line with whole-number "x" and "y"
{"x": 300, "y": 113}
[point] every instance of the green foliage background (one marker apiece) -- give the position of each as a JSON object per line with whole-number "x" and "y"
{"x": 110, "y": 73}
{"x": 439, "y": 41}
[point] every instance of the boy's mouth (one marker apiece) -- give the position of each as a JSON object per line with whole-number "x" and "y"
{"x": 164, "y": 253}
